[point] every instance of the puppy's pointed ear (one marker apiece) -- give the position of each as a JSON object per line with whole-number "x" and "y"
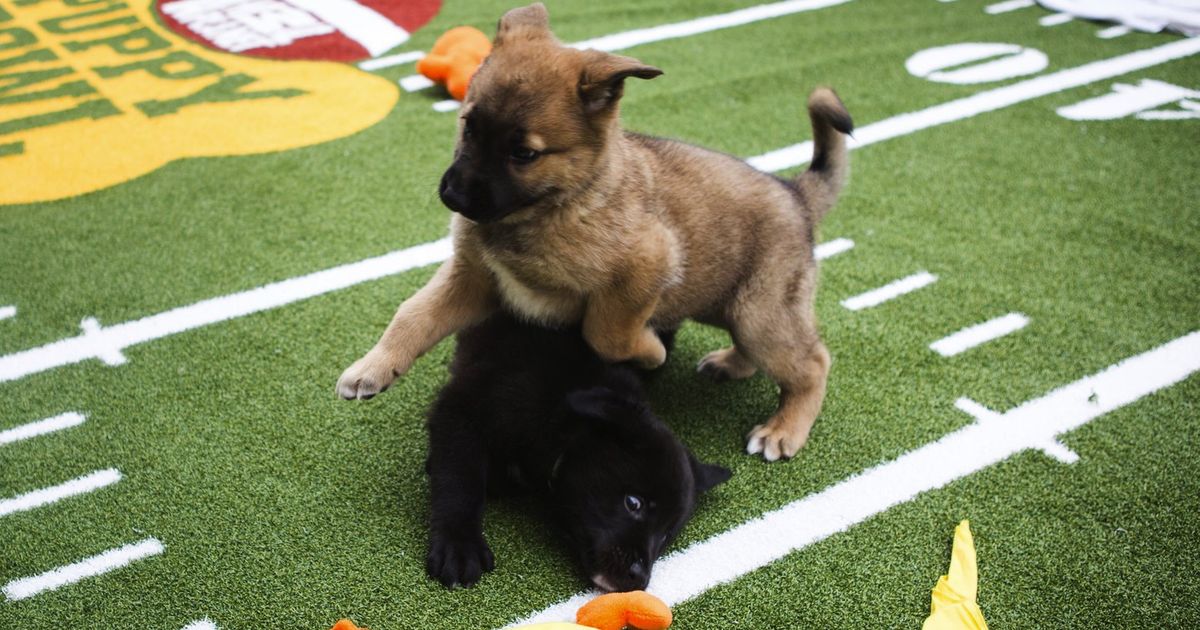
{"x": 603, "y": 78}
{"x": 531, "y": 19}
{"x": 708, "y": 476}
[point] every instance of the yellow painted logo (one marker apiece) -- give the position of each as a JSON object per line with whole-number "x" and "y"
{"x": 96, "y": 92}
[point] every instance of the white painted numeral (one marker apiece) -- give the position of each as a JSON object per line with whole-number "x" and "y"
{"x": 1129, "y": 100}
{"x": 964, "y": 64}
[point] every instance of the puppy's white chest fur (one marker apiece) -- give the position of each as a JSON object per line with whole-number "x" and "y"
{"x": 540, "y": 304}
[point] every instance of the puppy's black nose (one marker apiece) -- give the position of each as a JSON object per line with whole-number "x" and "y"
{"x": 450, "y": 191}
{"x": 639, "y": 575}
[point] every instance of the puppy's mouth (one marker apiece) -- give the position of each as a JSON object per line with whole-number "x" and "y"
{"x": 621, "y": 581}
{"x": 602, "y": 582}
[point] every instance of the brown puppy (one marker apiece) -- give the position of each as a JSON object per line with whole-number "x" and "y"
{"x": 562, "y": 216}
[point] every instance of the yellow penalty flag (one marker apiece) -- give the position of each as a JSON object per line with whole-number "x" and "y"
{"x": 953, "y": 604}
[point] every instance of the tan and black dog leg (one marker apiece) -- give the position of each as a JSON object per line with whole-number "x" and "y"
{"x": 616, "y": 329}
{"x": 785, "y": 345}
{"x": 726, "y": 364}
{"x": 459, "y": 295}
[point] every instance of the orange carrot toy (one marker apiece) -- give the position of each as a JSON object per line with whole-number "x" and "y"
{"x": 455, "y": 57}
{"x": 614, "y": 611}
{"x": 638, "y": 610}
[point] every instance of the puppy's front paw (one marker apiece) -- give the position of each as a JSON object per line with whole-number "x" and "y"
{"x": 366, "y": 377}
{"x": 458, "y": 559}
{"x": 775, "y": 439}
{"x": 651, "y": 352}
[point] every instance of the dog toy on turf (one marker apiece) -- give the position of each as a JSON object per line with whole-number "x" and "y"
{"x": 637, "y": 609}
{"x": 614, "y": 611}
{"x": 953, "y": 604}
{"x": 455, "y": 57}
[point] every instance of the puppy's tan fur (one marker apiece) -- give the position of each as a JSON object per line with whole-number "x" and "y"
{"x": 628, "y": 233}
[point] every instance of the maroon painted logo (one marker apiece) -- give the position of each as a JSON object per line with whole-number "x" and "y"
{"x": 336, "y": 30}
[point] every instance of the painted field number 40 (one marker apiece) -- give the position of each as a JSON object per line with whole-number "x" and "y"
{"x": 1139, "y": 101}
{"x": 970, "y": 63}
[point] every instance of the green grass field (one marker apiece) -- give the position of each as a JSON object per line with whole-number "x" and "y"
{"x": 279, "y": 506}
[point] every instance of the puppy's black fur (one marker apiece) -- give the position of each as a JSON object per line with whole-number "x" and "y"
{"x": 538, "y": 408}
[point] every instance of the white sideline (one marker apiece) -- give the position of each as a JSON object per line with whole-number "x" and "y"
{"x": 76, "y": 349}
{"x": 988, "y": 101}
{"x": 979, "y": 334}
{"x": 687, "y": 28}
{"x": 23, "y": 588}
{"x": 707, "y": 24}
{"x": 889, "y": 291}
{"x": 46, "y": 496}
{"x": 41, "y": 427}
{"x": 1032, "y": 425}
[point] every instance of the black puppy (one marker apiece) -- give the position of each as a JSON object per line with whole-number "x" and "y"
{"x": 537, "y": 407}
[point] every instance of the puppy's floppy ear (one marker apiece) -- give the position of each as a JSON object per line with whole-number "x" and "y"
{"x": 532, "y": 19}
{"x": 602, "y": 80}
{"x": 708, "y": 476}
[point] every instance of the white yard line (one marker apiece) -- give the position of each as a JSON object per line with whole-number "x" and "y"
{"x": 75, "y": 349}
{"x": 1113, "y": 32}
{"x": 988, "y": 101}
{"x": 889, "y": 291}
{"x": 99, "y": 564}
{"x": 397, "y": 59}
{"x": 1035, "y": 424}
{"x": 832, "y": 248}
{"x": 447, "y": 105}
{"x": 979, "y": 334}
{"x": 8, "y": 311}
{"x": 1008, "y": 5}
{"x": 687, "y": 28}
{"x": 201, "y": 624}
{"x": 41, "y": 427}
{"x": 45, "y": 496}
{"x": 108, "y": 343}
{"x": 1054, "y": 19}
{"x": 415, "y": 82}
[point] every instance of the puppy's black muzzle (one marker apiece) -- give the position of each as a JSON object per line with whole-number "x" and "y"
{"x": 452, "y": 192}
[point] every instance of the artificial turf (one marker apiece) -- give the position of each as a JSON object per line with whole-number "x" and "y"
{"x": 281, "y": 506}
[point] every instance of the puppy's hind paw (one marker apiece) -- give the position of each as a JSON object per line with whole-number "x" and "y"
{"x": 724, "y": 365}
{"x": 460, "y": 560}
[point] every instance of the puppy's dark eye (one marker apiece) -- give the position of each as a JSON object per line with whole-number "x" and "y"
{"x": 633, "y": 504}
{"x": 524, "y": 155}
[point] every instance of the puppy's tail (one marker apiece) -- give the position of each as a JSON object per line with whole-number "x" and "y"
{"x": 829, "y": 168}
